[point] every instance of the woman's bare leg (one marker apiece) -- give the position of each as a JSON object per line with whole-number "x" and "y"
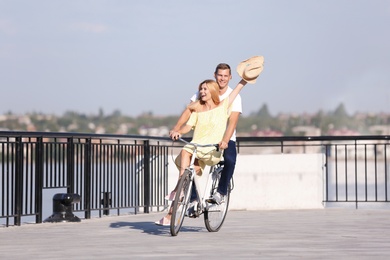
{"x": 185, "y": 159}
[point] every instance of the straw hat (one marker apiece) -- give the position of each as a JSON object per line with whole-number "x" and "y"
{"x": 251, "y": 68}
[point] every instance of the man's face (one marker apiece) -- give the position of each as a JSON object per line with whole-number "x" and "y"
{"x": 222, "y": 77}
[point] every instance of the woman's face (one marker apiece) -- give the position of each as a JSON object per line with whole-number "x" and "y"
{"x": 204, "y": 92}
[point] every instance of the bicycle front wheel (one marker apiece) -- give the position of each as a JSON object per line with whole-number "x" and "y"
{"x": 179, "y": 205}
{"x": 214, "y": 214}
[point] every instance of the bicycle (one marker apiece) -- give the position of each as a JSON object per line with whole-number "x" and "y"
{"x": 214, "y": 215}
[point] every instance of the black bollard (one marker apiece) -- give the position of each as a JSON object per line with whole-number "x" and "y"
{"x": 62, "y": 208}
{"x": 106, "y": 202}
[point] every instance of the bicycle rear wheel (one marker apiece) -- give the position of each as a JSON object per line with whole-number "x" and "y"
{"x": 214, "y": 214}
{"x": 179, "y": 205}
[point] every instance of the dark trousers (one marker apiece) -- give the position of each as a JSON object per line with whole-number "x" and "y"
{"x": 230, "y": 156}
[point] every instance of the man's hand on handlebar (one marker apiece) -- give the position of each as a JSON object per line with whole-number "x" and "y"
{"x": 223, "y": 145}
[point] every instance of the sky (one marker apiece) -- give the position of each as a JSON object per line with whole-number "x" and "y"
{"x": 148, "y": 56}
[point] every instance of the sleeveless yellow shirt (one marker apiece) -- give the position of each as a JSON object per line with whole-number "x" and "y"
{"x": 209, "y": 128}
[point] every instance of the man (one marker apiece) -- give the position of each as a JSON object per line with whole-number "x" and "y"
{"x": 222, "y": 75}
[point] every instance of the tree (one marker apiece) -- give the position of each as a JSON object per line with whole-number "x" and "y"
{"x": 341, "y": 111}
{"x": 263, "y": 112}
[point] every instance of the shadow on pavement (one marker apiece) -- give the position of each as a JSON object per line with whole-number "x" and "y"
{"x": 153, "y": 229}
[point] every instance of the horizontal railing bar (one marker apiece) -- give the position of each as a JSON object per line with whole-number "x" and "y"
{"x": 239, "y": 139}
{"x": 116, "y": 165}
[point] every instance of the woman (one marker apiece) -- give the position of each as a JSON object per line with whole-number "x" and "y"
{"x": 208, "y": 118}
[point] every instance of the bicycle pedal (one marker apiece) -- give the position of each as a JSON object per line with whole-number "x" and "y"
{"x": 196, "y": 214}
{"x": 192, "y": 213}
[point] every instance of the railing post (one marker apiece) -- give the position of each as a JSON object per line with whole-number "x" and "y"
{"x": 18, "y": 188}
{"x": 327, "y": 155}
{"x": 356, "y": 179}
{"x": 70, "y": 166}
{"x": 87, "y": 178}
{"x": 146, "y": 176}
{"x": 386, "y": 172}
{"x": 39, "y": 164}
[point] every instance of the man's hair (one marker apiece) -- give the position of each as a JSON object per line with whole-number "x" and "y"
{"x": 223, "y": 66}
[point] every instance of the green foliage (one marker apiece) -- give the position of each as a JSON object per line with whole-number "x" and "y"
{"x": 117, "y": 123}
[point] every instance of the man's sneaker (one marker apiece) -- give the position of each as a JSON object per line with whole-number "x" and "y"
{"x": 192, "y": 208}
{"x": 217, "y": 198}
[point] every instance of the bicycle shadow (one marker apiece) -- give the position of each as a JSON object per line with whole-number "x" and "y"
{"x": 152, "y": 229}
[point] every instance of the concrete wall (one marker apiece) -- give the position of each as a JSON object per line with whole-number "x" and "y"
{"x": 274, "y": 181}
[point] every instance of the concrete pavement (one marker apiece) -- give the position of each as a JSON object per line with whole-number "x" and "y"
{"x": 272, "y": 234}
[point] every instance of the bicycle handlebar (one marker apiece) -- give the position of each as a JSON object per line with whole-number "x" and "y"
{"x": 199, "y": 145}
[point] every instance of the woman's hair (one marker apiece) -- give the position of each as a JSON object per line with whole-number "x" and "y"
{"x": 213, "y": 87}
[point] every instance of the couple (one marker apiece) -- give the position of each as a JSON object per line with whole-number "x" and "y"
{"x": 213, "y": 114}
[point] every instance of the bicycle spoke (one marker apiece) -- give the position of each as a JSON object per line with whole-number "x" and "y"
{"x": 214, "y": 215}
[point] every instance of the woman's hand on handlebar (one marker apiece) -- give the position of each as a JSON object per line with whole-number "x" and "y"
{"x": 174, "y": 135}
{"x": 223, "y": 145}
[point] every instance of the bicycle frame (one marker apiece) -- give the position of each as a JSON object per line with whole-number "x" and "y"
{"x": 200, "y": 197}
{"x": 214, "y": 214}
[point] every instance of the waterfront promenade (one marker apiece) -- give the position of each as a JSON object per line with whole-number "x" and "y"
{"x": 268, "y": 234}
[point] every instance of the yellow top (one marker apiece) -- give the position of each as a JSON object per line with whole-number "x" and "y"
{"x": 209, "y": 127}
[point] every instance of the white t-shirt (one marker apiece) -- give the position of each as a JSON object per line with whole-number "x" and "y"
{"x": 235, "y": 107}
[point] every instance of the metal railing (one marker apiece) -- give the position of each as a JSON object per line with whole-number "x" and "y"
{"x": 110, "y": 174}
{"x": 356, "y": 168}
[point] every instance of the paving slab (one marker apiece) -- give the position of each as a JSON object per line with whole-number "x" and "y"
{"x": 273, "y": 234}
